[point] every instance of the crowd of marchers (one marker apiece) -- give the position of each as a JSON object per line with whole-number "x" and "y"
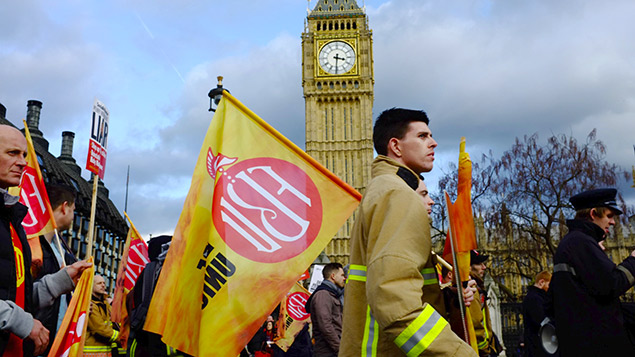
{"x": 391, "y": 300}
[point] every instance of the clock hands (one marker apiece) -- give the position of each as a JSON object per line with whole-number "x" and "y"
{"x": 337, "y": 57}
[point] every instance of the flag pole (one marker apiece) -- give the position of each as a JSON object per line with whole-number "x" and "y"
{"x": 443, "y": 262}
{"x": 59, "y": 247}
{"x": 91, "y": 226}
{"x": 125, "y": 206}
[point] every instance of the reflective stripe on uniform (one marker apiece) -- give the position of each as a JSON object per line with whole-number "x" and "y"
{"x": 429, "y": 276}
{"x": 563, "y": 267}
{"x": 371, "y": 335}
{"x": 133, "y": 347}
{"x": 629, "y": 276}
{"x": 97, "y": 349}
{"x": 421, "y": 332}
{"x": 483, "y": 345}
{"x": 356, "y": 272}
{"x": 115, "y": 336}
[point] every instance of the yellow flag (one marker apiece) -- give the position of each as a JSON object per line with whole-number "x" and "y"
{"x": 293, "y": 316}
{"x": 70, "y": 337}
{"x": 258, "y": 212}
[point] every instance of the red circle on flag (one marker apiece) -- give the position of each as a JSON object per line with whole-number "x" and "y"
{"x": 35, "y": 194}
{"x": 267, "y": 210}
{"x": 295, "y": 306}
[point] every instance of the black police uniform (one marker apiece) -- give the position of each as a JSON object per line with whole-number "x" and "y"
{"x": 586, "y": 287}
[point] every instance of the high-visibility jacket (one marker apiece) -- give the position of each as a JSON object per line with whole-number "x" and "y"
{"x": 100, "y": 334}
{"x": 393, "y": 304}
{"x": 482, "y": 322}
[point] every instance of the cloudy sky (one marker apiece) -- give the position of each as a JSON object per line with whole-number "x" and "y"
{"x": 487, "y": 70}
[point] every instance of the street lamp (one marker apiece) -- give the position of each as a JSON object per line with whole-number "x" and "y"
{"x": 216, "y": 94}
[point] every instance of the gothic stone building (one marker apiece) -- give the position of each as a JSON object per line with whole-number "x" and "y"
{"x": 515, "y": 258}
{"x": 110, "y": 229}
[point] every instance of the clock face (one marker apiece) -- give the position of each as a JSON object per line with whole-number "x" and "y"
{"x": 337, "y": 57}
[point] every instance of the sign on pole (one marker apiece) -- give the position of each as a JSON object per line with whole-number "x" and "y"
{"x": 96, "y": 160}
{"x": 316, "y": 278}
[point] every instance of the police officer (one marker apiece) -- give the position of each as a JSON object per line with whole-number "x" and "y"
{"x": 586, "y": 284}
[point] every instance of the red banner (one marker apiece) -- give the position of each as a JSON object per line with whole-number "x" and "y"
{"x": 133, "y": 260}
{"x": 39, "y": 219}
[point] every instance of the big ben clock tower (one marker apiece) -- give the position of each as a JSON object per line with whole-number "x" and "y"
{"x": 337, "y": 77}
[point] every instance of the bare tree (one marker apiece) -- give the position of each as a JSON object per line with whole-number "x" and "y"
{"x": 523, "y": 198}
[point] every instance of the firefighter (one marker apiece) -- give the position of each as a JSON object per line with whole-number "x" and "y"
{"x": 393, "y": 304}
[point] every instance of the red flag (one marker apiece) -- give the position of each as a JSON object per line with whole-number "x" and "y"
{"x": 72, "y": 333}
{"x": 32, "y": 191}
{"x": 460, "y": 212}
{"x": 133, "y": 260}
{"x": 462, "y": 233}
{"x": 305, "y": 275}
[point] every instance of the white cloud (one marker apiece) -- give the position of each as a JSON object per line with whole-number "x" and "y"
{"x": 490, "y": 71}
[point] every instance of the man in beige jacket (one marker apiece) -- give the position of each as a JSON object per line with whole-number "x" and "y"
{"x": 393, "y": 304}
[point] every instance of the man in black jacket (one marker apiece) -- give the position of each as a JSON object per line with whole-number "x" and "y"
{"x": 20, "y": 333}
{"x": 534, "y": 313}
{"x": 15, "y": 256}
{"x": 587, "y": 285}
{"x": 62, "y": 199}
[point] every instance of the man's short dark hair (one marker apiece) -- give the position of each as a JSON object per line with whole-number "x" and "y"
{"x": 331, "y": 268}
{"x": 393, "y": 123}
{"x": 584, "y": 214}
{"x": 59, "y": 193}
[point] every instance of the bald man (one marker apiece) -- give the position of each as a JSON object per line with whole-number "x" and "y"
{"x": 20, "y": 333}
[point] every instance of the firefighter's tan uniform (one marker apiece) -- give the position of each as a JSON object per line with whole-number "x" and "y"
{"x": 393, "y": 304}
{"x": 482, "y": 322}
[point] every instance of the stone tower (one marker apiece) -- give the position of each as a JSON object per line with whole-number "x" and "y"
{"x": 337, "y": 77}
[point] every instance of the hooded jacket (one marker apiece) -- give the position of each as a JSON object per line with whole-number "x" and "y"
{"x": 585, "y": 287}
{"x": 393, "y": 303}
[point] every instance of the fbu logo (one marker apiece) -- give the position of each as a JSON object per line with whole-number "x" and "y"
{"x": 31, "y": 196}
{"x": 295, "y": 306}
{"x": 267, "y": 210}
